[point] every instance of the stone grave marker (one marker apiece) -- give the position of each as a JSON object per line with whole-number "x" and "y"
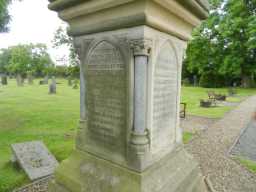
{"x": 34, "y": 158}
{"x": 30, "y": 78}
{"x": 4, "y": 80}
{"x": 129, "y": 138}
{"x": 52, "y": 86}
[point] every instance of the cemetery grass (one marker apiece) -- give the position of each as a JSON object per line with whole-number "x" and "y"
{"x": 192, "y": 96}
{"x": 250, "y": 165}
{"x": 30, "y": 113}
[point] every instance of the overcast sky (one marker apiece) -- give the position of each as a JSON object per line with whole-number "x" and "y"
{"x": 32, "y": 22}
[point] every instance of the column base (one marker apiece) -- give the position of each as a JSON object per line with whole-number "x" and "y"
{"x": 83, "y": 172}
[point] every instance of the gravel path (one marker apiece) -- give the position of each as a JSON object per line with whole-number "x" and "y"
{"x": 195, "y": 124}
{"x": 212, "y": 146}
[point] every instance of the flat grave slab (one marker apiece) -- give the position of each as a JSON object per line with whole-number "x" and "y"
{"x": 35, "y": 159}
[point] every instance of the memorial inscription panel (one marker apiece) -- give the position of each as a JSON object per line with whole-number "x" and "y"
{"x": 165, "y": 98}
{"x": 106, "y": 98}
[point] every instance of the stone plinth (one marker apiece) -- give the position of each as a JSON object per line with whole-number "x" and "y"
{"x": 129, "y": 139}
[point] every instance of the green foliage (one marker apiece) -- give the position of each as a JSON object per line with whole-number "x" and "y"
{"x": 5, "y": 56}
{"x": 20, "y": 59}
{"x": 224, "y": 45}
{"x": 4, "y": 15}
{"x": 23, "y": 59}
{"x": 30, "y": 113}
{"x": 61, "y": 38}
{"x": 187, "y": 137}
{"x": 251, "y": 165}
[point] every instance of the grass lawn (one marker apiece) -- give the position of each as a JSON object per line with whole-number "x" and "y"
{"x": 251, "y": 165}
{"x": 192, "y": 96}
{"x": 187, "y": 137}
{"x": 30, "y": 113}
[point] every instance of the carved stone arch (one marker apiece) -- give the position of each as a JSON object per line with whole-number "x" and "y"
{"x": 165, "y": 99}
{"x": 106, "y": 100}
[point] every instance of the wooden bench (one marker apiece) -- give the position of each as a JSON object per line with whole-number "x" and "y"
{"x": 212, "y": 97}
{"x": 183, "y": 107}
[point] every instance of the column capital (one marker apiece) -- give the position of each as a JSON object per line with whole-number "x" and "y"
{"x": 141, "y": 47}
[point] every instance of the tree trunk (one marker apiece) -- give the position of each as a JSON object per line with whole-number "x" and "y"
{"x": 247, "y": 81}
{"x": 19, "y": 80}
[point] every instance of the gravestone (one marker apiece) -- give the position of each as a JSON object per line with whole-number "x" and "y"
{"x": 75, "y": 84}
{"x": 70, "y": 81}
{"x": 30, "y": 79}
{"x": 46, "y": 80}
{"x": 52, "y": 86}
{"x": 129, "y": 139}
{"x": 4, "y": 79}
{"x": 34, "y": 158}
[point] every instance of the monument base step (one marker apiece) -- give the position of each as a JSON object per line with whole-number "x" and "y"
{"x": 83, "y": 172}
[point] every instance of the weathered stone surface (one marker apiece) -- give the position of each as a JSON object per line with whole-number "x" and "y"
{"x": 129, "y": 137}
{"x": 84, "y": 172}
{"x": 30, "y": 79}
{"x": 93, "y": 16}
{"x": 34, "y": 158}
{"x": 106, "y": 99}
{"x": 52, "y": 86}
{"x": 165, "y": 98}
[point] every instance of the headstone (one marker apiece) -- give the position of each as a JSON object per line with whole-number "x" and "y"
{"x": 46, "y": 80}
{"x": 19, "y": 80}
{"x": 195, "y": 80}
{"x": 75, "y": 84}
{"x": 30, "y": 79}
{"x": 129, "y": 137}
{"x": 35, "y": 159}
{"x": 52, "y": 86}
{"x": 4, "y": 80}
{"x": 70, "y": 81}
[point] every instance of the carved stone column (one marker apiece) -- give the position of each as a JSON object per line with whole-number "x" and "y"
{"x": 140, "y": 134}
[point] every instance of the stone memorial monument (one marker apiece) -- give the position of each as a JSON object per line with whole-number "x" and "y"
{"x": 129, "y": 139}
{"x": 34, "y": 158}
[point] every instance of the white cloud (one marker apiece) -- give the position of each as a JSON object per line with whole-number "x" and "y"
{"x": 32, "y": 22}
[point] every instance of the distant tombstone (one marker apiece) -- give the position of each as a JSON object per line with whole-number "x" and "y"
{"x": 52, "y": 86}
{"x": 46, "y": 80}
{"x": 34, "y": 158}
{"x": 70, "y": 81}
{"x": 195, "y": 80}
{"x": 75, "y": 84}
{"x": 4, "y": 80}
{"x": 30, "y": 79}
{"x": 19, "y": 80}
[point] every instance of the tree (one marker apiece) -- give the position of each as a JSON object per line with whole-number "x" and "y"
{"x": 20, "y": 60}
{"x": 4, "y": 15}
{"x": 42, "y": 63}
{"x": 61, "y": 38}
{"x": 223, "y": 47}
{"x": 5, "y": 56}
